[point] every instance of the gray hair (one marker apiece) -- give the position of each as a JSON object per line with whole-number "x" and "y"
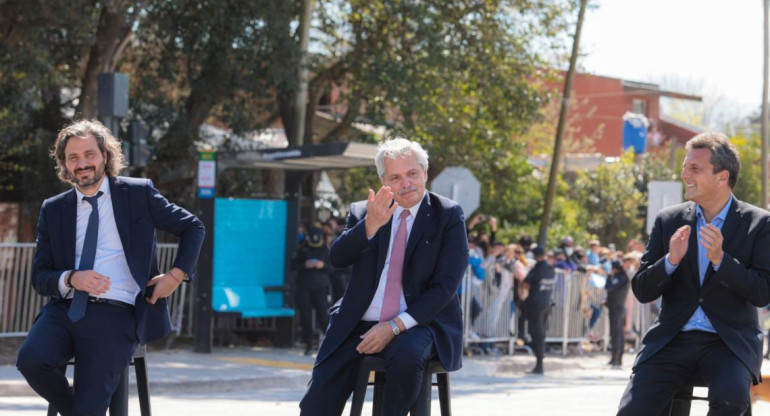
{"x": 724, "y": 155}
{"x": 399, "y": 147}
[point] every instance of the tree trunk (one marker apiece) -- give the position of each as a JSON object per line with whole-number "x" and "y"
{"x": 109, "y": 41}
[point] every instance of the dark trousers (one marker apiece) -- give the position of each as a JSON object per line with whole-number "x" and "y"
{"x": 333, "y": 380}
{"x": 655, "y": 381}
{"x": 307, "y": 300}
{"x": 102, "y": 344}
{"x": 617, "y": 319}
{"x": 537, "y": 317}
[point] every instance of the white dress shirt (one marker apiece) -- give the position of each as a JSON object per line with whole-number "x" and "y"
{"x": 373, "y": 312}
{"x": 110, "y": 259}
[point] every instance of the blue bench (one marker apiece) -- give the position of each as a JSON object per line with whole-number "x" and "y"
{"x": 249, "y": 301}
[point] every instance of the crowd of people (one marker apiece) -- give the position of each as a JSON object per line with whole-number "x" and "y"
{"x": 604, "y": 272}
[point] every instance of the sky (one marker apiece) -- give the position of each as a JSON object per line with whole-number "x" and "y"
{"x": 716, "y": 44}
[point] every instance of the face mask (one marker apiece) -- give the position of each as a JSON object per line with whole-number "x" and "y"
{"x": 569, "y": 250}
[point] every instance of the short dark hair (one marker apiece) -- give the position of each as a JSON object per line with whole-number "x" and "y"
{"x": 724, "y": 155}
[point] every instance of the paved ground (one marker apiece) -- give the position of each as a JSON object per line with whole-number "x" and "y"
{"x": 270, "y": 382}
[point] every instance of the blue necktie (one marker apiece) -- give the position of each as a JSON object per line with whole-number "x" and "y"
{"x": 87, "y": 257}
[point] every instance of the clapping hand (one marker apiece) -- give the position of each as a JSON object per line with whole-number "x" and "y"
{"x": 711, "y": 239}
{"x": 677, "y": 246}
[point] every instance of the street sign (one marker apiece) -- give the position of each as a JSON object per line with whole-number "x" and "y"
{"x": 460, "y": 185}
{"x": 661, "y": 194}
{"x": 207, "y": 174}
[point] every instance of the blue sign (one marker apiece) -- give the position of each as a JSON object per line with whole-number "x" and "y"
{"x": 205, "y": 193}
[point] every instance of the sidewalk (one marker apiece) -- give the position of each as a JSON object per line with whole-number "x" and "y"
{"x": 233, "y": 369}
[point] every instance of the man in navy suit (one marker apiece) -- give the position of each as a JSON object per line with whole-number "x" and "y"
{"x": 409, "y": 250}
{"x": 96, "y": 260}
{"x": 708, "y": 259}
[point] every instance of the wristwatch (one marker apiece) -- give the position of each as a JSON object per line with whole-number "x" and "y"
{"x": 394, "y": 327}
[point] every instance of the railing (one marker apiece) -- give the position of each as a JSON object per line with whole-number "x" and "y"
{"x": 20, "y": 304}
{"x": 568, "y": 323}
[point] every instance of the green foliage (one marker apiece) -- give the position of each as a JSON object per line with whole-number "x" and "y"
{"x": 749, "y": 186}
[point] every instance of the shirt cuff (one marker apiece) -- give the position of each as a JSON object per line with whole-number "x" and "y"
{"x": 63, "y": 289}
{"x": 669, "y": 267}
{"x": 716, "y": 266}
{"x": 407, "y": 319}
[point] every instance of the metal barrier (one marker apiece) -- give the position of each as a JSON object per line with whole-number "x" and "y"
{"x": 494, "y": 298}
{"x": 20, "y": 304}
{"x": 568, "y": 323}
{"x": 570, "y": 316}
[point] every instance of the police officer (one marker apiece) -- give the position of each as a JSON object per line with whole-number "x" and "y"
{"x": 312, "y": 263}
{"x": 617, "y": 290}
{"x": 538, "y": 304}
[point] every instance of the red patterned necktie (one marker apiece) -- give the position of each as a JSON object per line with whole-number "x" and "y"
{"x": 392, "y": 300}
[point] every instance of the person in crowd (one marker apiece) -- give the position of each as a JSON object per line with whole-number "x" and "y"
{"x": 707, "y": 258}
{"x": 538, "y": 304}
{"x": 339, "y": 276}
{"x": 313, "y": 285}
{"x": 409, "y": 251}
{"x": 593, "y": 256}
{"x": 562, "y": 261}
{"x": 617, "y": 287}
{"x": 96, "y": 261}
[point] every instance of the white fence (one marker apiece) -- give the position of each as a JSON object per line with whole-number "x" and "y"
{"x": 568, "y": 323}
{"x": 19, "y": 303}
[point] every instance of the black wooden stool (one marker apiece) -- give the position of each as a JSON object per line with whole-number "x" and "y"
{"x": 421, "y": 406}
{"x": 119, "y": 402}
{"x": 680, "y": 404}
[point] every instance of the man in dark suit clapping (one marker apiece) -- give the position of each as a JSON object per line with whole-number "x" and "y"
{"x": 707, "y": 258}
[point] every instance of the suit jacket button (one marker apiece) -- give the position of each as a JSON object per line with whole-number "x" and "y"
{"x": 700, "y": 300}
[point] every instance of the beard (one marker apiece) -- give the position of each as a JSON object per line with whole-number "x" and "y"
{"x": 87, "y": 182}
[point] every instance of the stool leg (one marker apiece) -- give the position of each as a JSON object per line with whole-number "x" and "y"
{"x": 379, "y": 393}
{"x": 442, "y": 379}
{"x": 142, "y": 386}
{"x": 119, "y": 402}
{"x": 421, "y": 407}
{"x": 359, "y": 392}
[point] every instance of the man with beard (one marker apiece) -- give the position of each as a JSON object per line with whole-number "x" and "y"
{"x": 409, "y": 250}
{"x": 96, "y": 260}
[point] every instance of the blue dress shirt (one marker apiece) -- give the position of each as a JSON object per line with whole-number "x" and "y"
{"x": 699, "y": 321}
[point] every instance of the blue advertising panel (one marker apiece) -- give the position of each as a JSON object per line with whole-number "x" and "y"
{"x": 249, "y": 242}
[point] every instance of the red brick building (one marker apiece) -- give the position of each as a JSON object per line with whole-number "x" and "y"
{"x": 598, "y": 105}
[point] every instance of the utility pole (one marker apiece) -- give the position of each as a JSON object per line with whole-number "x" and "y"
{"x": 556, "y": 158}
{"x": 763, "y": 203}
{"x": 300, "y": 100}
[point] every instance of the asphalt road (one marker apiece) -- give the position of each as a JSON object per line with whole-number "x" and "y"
{"x": 577, "y": 392}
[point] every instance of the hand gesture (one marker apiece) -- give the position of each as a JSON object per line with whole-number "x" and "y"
{"x": 90, "y": 281}
{"x": 493, "y": 223}
{"x": 710, "y": 238}
{"x": 379, "y": 209}
{"x": 677, "y": 247}
{"x": 375, "y": 339}
{"x": 165, "y": 284}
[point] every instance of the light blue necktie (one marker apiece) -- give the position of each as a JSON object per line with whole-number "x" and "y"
{"x": 87, "y": 257}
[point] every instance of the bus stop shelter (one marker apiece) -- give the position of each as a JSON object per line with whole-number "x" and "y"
{"x": 239, "y": 230}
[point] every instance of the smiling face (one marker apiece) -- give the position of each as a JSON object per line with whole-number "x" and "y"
{"x": 701, "y": 184}
{"x": 406, "y": 179}
{"x": 85, "y": 163}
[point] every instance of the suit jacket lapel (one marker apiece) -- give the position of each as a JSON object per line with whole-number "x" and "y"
{"x": 422, "y": 220}
{"x": 119, "y": 196}
{"x": 69, "y": 220}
